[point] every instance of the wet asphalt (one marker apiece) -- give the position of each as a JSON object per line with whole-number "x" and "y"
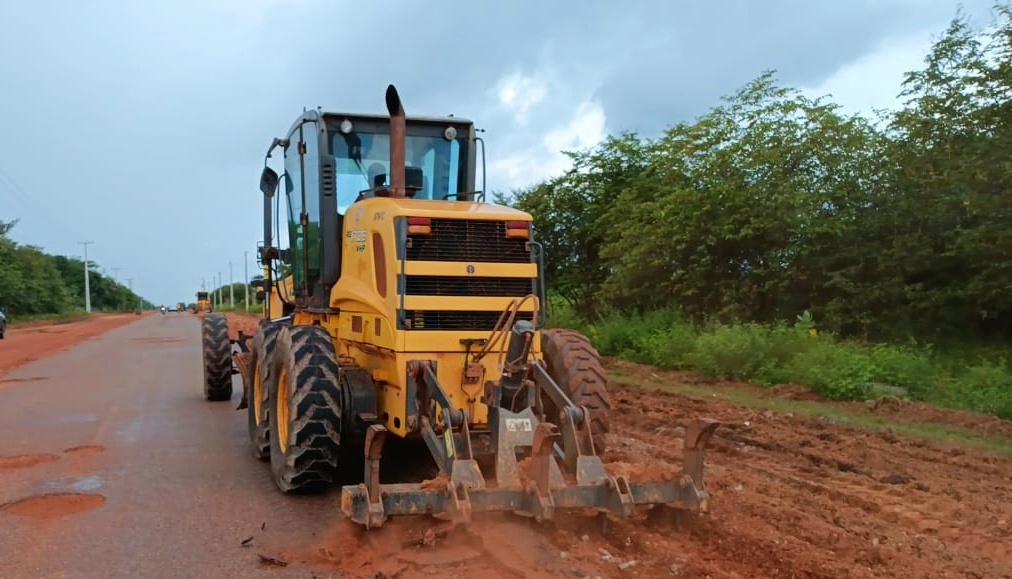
{"x": 181, "y": 489}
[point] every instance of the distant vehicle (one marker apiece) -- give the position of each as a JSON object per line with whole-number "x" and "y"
{"x": 203, "y": 303}
{"x": 3, "y": 322}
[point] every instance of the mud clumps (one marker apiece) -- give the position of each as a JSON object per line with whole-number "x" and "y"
{"x": 53, "y": 506}
{"x": 440, "y": 483}
{"x": 644, "y": 472}
{"x": 25, "y": 460}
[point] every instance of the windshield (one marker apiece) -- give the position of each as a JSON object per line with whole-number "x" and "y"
{"x": 361, "y": 157}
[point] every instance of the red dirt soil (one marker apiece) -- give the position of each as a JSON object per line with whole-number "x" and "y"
{"x": 25, "y": 460}
{"x": 237, "y": 321}
{"x": 791, "y": 496}
{"x": 85, "y": 450}
{"x": 53, "y": 506}
{"x": 31, "y": 341}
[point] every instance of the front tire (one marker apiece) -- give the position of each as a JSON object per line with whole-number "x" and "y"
{"x": 305, "y": 403}
{"x": 575, "y": 365}
{"x": 258, "y": 408}
{"x": 217, "y": 354}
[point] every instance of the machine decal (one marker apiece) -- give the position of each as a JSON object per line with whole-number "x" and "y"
{"x": 358, "y": 236}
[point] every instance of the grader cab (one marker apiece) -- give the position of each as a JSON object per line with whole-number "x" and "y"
{"x": 410, "y": 308}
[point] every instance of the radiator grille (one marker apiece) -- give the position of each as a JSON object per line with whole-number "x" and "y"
{"x": 498, "y": 287}
{"x": 455, "y": 320}
{"x": 468, "y": 240}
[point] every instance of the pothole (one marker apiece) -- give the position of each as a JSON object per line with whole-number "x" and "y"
{"x": 25, "y": 460}
{"x": 85, "y": 449}
{"x": 54, "y": 506}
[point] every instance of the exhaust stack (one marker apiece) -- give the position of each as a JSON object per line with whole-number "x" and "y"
{"x": 398, "y": 134}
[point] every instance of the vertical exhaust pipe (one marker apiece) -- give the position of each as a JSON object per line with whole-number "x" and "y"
{"x": 398, "y": 135}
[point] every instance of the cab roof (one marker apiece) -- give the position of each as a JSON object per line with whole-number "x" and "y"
{"x": 337, "y": 116}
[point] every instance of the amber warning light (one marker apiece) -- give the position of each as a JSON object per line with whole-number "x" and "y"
{"x": 518, "y": 229}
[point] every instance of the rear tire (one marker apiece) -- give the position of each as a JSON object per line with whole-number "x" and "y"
{"x": 259, "y": 374}
{"x": 575, "y": 365}
{"x": 305, "y": 402}
{"x": 217, "y": 353}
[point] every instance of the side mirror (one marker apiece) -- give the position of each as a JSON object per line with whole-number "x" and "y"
{"x": 268, "y": 181}
{"x": 257, "y": 284}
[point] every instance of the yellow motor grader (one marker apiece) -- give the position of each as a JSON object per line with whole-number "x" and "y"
{"x": 203, "y": 303}
{"x": 411, "y": 308}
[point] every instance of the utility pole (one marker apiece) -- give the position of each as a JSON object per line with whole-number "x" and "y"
{"x": 220, "y": 295}
{"x": 115, "y": 275}
{"x": 231, "y": 287}
{"x": 245, "y": 269}
{"x": 87, "y": 283}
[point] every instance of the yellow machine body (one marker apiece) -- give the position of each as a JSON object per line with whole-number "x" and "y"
{"x": 367, "y": 298}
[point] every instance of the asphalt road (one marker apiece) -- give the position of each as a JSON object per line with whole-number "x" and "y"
{"x": 181, "y": 490}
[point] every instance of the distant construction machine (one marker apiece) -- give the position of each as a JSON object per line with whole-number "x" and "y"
{"x": 203, "y": 303}
{"x": 412, "y": 308}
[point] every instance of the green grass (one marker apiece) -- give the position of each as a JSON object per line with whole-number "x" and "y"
{"x": 57, "y": 318}
{"x": 798, "y": 353}
{"x": 835, "y": 413}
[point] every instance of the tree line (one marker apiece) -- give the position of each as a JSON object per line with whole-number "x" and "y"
{"x": 890, "y": 226}
{"x": 33, "y": 282}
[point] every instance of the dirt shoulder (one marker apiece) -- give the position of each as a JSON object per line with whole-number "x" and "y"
{"x": 31, "y": 341}
{"x": 806, "y": 488}
{"x": 800, "y": 487}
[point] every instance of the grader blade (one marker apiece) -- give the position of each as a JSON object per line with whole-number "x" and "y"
{"x": 371, "y": 504}
{"x": 540, "y": 491}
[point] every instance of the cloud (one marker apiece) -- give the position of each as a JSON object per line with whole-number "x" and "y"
{"x": 143, "y": 125}
{"x": 518, "y": 93}
{"x": 544, "y": 159}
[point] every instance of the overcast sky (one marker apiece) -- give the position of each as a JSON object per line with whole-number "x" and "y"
{"x": 142, "y": 126}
